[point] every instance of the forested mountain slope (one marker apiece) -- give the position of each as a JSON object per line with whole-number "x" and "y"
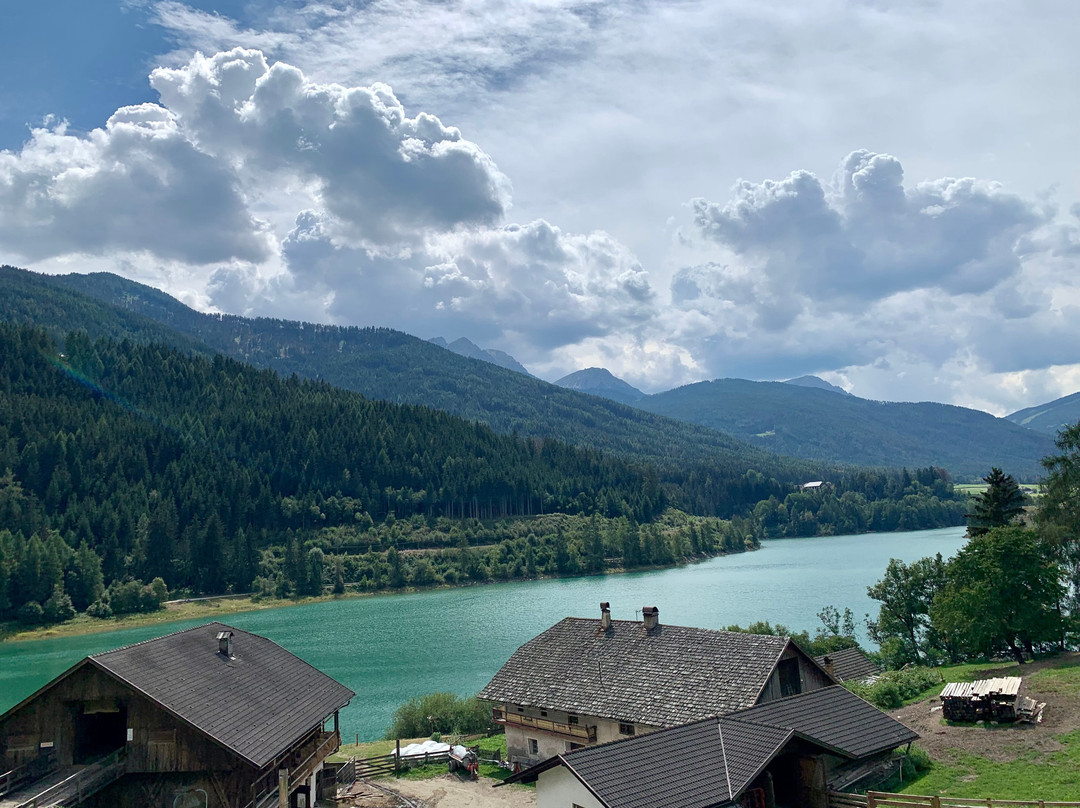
{"x": 110, "y": 442}
{"x": 706, "y": 471}
{"x": 1051, "y": 417}
{"x": 807, "y": 422}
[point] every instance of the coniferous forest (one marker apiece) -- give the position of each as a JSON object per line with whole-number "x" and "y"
{"x": 132, "y": 470}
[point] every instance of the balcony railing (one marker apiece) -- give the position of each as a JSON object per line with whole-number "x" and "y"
{"x": 575, "y": 732}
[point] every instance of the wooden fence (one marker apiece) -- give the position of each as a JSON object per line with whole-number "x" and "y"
{"x": 387, "y": 764}
{"x": 880, "y": 799}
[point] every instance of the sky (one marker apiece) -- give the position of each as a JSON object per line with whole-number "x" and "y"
{"x": 883, "y": 194}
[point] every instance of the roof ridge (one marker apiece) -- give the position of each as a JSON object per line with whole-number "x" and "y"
{"x": 783, "y": 637}
{"x": 162, "y": 637}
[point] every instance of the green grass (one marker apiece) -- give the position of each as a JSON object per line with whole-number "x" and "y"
{"x": 1054, "y": 776}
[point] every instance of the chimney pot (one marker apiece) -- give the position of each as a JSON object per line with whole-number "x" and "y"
{"x": 224, "y": 639}
{"x": 605, "y": 615}
{"x": 651, "y": 616}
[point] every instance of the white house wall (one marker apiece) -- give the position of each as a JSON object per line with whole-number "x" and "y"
{"x": 558, "y": 788}
{"x": 548, "y": 744}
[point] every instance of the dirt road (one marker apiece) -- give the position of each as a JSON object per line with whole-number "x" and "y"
{"x": 446, "y": 791}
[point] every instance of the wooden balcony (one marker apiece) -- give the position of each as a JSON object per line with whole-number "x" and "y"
{"x": 575, "y": 732}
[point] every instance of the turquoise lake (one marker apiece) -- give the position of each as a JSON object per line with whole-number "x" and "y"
{"x": 389, "y": 648}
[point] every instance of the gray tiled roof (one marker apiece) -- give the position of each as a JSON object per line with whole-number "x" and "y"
{"x": 663, "y": 677}
{"x": 704, "y": 764}
{"x": 851, "y": 663}
{"x": 836, "y": 717}
{"x": 683, "y": 767}
{"x": 257, "y": 703}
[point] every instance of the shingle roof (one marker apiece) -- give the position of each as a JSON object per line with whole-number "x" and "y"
{"x": 256, "y": 703}
{"x": 851, "y": 663}
{"x": 662, "y": 677}
{"x": 690, "y": 766}
{"x": 704, "y": 764}
{"x": 835, "y": 717}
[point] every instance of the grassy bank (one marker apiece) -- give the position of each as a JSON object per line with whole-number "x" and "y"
{"x": 202, "y": 609}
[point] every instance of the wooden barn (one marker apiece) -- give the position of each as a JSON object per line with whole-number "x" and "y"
{"x": 210, "y": 716}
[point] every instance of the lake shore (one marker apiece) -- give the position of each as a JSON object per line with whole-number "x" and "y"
{"x": 216, "y": 607}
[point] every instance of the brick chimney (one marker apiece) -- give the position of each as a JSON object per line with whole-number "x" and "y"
{"x": 829, "y": 667}
{"x": 605, "y": 615}
{"x": 651, "y": 616}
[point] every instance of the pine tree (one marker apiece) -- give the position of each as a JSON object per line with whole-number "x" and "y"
{"x": 998, "y": 506}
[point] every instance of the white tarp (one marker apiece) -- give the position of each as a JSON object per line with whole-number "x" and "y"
{"x": 425, "y": 748}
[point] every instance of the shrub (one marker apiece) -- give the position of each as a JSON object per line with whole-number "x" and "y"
{"x": 31, "y": 613}
{"x": 99, "y": 609}
{"x": 439, "y": 713}
{"x": 893, "y": 688}
{"x": 58, "y": 607}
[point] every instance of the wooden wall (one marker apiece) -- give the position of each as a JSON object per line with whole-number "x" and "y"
{"x": 811, "y": 677}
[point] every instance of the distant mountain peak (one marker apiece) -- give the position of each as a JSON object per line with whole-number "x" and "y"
{"x": 601, "y": 382}
{"x": 466, "y": 347}
{"x": 818, "y": 383}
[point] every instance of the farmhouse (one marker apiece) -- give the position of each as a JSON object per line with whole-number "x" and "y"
{"x": 788, "y": 752}
{"x": 584, "y": 681}
{"x": 210, "y": 716}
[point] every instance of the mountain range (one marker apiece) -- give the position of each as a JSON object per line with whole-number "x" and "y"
{"x": 713, "y": 429}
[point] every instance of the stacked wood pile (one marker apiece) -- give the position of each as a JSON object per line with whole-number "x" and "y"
{"x": 986, "y": 700}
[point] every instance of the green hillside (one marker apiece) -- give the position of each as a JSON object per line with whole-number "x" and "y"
{"x": 1051, "y": 417}
{"x": 703, "y": 471}
{"x": 186, "y": 467}
{"x": 811, "y": 423}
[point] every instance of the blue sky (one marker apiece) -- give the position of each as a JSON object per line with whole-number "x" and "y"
{"x": 884, "y": 194}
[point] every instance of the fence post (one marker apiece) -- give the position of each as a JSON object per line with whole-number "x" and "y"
{"x": 871, "y": 800}
{"x": 397, "y": 757}
{"x": 936, "y": 802}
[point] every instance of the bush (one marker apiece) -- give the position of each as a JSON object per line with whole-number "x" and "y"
{"x": 439, "y": 713}
{"x": 58, "y": 607}
{"x": 133, "y": 597}
{"x": 893, "y": 688}
{"x": 31, "y": 614}
{"x": 99, "y": 609}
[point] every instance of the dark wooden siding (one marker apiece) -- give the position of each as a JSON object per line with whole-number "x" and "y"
{"x": 811, "y": 677}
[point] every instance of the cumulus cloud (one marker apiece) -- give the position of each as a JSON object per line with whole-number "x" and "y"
{"x": 532, "y": 284}
{"x": 911, "y": 291}
{"x": 384, "y": 174}
{"x": 138, "y": 184}
{"x": 866, "y": 236}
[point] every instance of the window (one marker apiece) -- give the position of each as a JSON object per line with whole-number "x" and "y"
{"x": 788, "y": 673}
{"x": 534, "y": 747}
{"x": 543, "y": 713}
{"x": 571, "y": 719}
{"x": 521, "y": 709}
{"x": 626, "y": 729}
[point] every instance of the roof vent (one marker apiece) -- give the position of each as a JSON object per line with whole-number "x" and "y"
{"x": 651, "y": 616}
{"x": 224, "y": 643}
{"x": 605, "y": 615}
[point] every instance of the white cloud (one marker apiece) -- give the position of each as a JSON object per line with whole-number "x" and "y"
{"x": 136, "y": 185}
{"x": 530, "y": 285}
{"x": 383, "y": 174}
